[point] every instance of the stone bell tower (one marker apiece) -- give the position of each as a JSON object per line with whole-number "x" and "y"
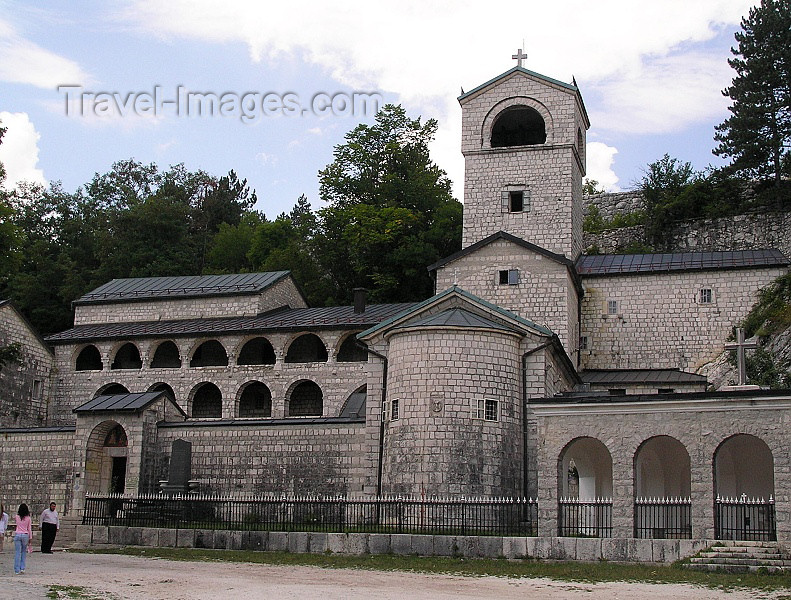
{"x": 523, "y": 140}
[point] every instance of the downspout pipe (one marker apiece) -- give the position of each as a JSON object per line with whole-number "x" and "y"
{"x": 381, "y": 423}
{"x": 525, "y": 433}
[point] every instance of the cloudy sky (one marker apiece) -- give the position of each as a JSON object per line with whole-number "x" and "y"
{"x": 84, "y": 84}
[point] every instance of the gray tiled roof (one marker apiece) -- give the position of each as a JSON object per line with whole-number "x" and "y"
{"x": 334, "y": 317}
{"x": 615, "y": 264}
{"x": 613, "y": 376}
{"x": 119, "y": 402}
{"x": 139, "y": 288}
{"x": 455, "y": 317}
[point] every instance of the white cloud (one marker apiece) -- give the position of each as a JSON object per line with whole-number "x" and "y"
{"x": 600, "y": 158}
{"x": 642, "y": 58}
{"x": 19, "y": 150}
{"x": 266, "y": 159}
{"x": 26, "y": 62}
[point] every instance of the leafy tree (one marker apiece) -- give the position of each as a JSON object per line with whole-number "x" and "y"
{"x": 591, "y": 187}
{"x": 757, "y": 135}
{"x": 663, "y": 182}
{"x": 390, "y": 213}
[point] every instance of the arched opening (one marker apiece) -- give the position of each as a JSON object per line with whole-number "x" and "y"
{"x": 585, "y": 489}
{"x": 307, "y": 348}
{"x": 207, "y": 402}
{"x": 111, "y": 389}
{"x": 166, "y": 356}
{"x": 354, "y": 407}
{"x": 306, "y": 400}
{"x": 352, "y": 351}
{"x": 258, "y": 351}
{"x": 89, "y": 359}
{"x": 209, "y": 354}
{"x": 163, "y": 387}
{"x": 662, "y": 486}
{"x": 255, "y": 401}
{"x": 105, "y": 460}
{"x": 127, "y": 357}
{"x": 518, "y": 126}
{"x": 744, "y": 489}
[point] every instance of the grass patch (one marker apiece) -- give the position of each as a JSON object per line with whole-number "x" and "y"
{"x": 562, "y": 571}
{"x": 74, "y": 592}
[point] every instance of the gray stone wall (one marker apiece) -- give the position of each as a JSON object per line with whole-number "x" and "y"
{"x": 552, "y": 172}
{"x": 36, "y": 468}
{"x": 438, "y": 446}
{"x": 615, "y": 203}
{"x": 336, "y": 379}
{"x": 282, "y": 293}
{"x": 25, "y": 387}
{"x": 545, "y": 294}
{"x": 700, "y": 425}
{"x": 293, "y": 459}
{"x": 660, "y": 323}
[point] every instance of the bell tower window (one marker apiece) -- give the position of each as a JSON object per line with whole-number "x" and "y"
{"x": 518, "y": 126}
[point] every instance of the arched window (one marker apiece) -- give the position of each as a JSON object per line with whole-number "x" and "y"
{"x": 89, "y": 359}
{"x": 207, "y": 402}
{"x": 518, "y": 126}
{"x": 166, "y": 356}
{"x": 255, "y": 401}
{"x": 209, "y": 354}
{"x": 352, "y": 351}
{"x": 127, "y": 357}
{"x": 111, "y": 390}
{"x": 307, "y": 348}
{"x": 258, "y": 351}
{"x": 593, "y": 464}
{"x": 306, "y": 400}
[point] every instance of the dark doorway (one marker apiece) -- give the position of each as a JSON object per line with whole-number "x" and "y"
{"x": 118, "y": 476}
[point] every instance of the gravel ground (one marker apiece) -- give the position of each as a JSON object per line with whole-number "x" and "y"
{"x": 127, "y": 577}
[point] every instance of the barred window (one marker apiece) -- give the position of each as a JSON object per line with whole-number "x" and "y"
{"x": 394, "y": 410}
{"x": 486, "y": 409}
{"x": 612, "y": 307}
{"x": 584, "y": 342}
{"x": 705, "y": 296}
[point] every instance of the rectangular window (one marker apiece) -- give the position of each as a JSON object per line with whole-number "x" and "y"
{"x": 509, "y": 277}
{"x": 617, "y": 391}
{"x": 36, "y": 389}
{"x": 584, "y": 342}
{"x": 490, "y": 410}
{"x": 666, "y": 390}
{"x": 705, "y": 296}
{"x": 612, "y": 307}
{"x": 394, "y": 410}
{"x": 485, "y": 409}
{"x": 515, "y": 200}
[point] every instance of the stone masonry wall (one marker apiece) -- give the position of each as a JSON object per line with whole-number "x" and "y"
{"x": 643, "y": 335}
{"x": 294, "y": 459}
{"x": 36, "y": 468}
{"x": 336, "y": 379}
{"x": 282, "y": 293}
{"x": 700, "y": 425}
{"x": 24, "y": 387}
{"x": 550, "y": 171}
{"x": 437, "y": 446}
{"x": 552, "y": 301}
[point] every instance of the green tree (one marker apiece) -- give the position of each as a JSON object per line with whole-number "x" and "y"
{"x": 757, "y": 135}
{"x": 391, "y": 212}
{"x": 664, "y": 181}
{"x": 591, "y": 187}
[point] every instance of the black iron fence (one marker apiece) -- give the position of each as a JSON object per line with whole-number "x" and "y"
{"x": 464, "y": 516}
{"x": 745, "y": 519}
{"x": 585, "y": 518}
{"x": 663, "y": 518}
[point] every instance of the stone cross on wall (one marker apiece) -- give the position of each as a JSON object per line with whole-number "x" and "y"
{"x": 740, "y": 346}
{"x": 519, "y": 57}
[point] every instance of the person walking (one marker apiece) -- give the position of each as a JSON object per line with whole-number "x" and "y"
{"x": 22, "y": 538}
{"x": 49, "y": 525}
{"x": 3, "y": 525}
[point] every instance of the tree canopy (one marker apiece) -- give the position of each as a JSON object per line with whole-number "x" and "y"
{"x": 757, "y": 135}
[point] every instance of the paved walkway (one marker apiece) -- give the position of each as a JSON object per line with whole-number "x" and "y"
{"x": 118, "y": 577}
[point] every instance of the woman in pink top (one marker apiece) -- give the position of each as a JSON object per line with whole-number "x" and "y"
{"x": 22, "y": 538}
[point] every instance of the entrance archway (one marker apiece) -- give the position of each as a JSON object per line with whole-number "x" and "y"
{"x": 105, "y": 460}
{"x": 585, "y": 486}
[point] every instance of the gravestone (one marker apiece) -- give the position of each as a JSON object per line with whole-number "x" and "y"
{"x": 180, "y": 469}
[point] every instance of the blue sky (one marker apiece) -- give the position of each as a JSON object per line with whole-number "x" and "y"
{"x": 651, "y": 76}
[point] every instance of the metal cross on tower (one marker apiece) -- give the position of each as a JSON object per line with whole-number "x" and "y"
{"x": 519, "y": 57}
{"x": 740, "y": 346}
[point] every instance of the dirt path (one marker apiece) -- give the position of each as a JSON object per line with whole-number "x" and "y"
{"x": 126, "y": 577}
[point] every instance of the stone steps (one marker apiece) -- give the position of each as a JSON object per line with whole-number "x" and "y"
{"x": 742, "y": 557}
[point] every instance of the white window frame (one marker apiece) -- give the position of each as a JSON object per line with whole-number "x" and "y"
{"x": 705, "y": 296}
{"x": 512, "y": 276}
{"x": 479, "y": 406}
{"x": 395, "y": 409}
{"x": 612, "y": 307}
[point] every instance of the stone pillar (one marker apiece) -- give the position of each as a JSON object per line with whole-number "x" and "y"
{"x": 702, "y": 491}
{"x": 622, "y": 495}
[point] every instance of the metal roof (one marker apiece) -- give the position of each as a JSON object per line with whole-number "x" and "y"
{"x": 355, "y": 406}
{"x": 614, "y": 264}
{"x": 140, "y": 288}
{"x": 334, "y": 317}
{"x": 119, "y": 402}
{"x": 613, "y": 376}
{"x": 455, "y": 317}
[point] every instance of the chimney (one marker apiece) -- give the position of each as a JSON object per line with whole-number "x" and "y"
{"x": 359, "y": 300}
